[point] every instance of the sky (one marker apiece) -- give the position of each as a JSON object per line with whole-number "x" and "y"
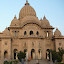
{"x": 52, "y": 9}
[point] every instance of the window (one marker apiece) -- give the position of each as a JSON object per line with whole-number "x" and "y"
{"x": 32, "y": 44}
{"x": 59, "y": 44}
{"x": 5, "y": 43}
{"x": 31, "y": 32}
{"x": 37, "y": 33}
{"x": 15, "y": 33}
{"x": 47, "y": 34}
{"x": 25, "y": 33}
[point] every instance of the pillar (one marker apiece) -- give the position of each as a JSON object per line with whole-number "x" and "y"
{"x": 27, "y": 55}
{"x": 50, "y": 56}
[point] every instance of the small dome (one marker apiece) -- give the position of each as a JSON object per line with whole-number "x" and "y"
{"x": 45, "y": 22}
{"x": 14, "y": 22}
{"x": 57, "y": 33}
{"x": 27, "y": 10}
{"x": 6, "y": 32}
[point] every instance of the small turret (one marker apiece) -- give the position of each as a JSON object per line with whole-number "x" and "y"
{"x": 57, "y": 33}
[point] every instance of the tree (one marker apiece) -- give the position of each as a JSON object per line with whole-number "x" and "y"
{"x": 21, "y": 55}
{"x": 57, "y": 55}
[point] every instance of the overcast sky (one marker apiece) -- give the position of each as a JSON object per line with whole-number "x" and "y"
{"x": 52, "y": 9}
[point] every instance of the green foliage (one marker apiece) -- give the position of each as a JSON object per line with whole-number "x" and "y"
{"x": 59, "y": 63}
{"x": 15, "y": 62}
{"x": 11, "y": 62}
{"x": 57, "y": 55}
{"x": 6, "y": 62}
{"x": 21, "y": 55}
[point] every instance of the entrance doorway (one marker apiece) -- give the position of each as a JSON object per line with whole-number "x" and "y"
{"x": 47, "y": 54}
{"x": 25, "y": 51}
{"x": 39, "y": 54}
{"x": 15, "y": 54}
{"x": 33, "y": 54}
{"x": 5, "y": 54}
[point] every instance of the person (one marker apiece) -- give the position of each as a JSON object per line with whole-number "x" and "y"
{"x": 5, "y": 59}
{"x": 29, "y": 59}
{"x": 22, "y": 61}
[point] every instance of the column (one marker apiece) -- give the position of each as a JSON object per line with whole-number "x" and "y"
{"x": 40, "y": 54}
{"x": 50, "y": 56}
{"x": 47, "y": 56}
{"x": 26, "y": 55}
{"x": 33, "y": 55}
{"x": 16, "y": 55}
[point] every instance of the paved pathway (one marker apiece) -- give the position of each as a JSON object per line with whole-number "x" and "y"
{"x": 35, "y": 62}
{"x": 1, "y": 62}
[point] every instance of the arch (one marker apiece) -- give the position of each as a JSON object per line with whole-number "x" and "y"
{"x": 5, "y": 54}
{"x": 47, "y": 54}
{"x": 39, "y": 53}
{"x": 30, "y": 20}
{"x": 25, "y": 32}
{"x": 26, "y": 52}
{"x": 37, "y": 33}
{"x": 33, "y": 54}
{"x": 31, "y": 32}
{"x": 31, "y": 23}
{"x": 15, "y": 33}
{"x": 15, "y": 53}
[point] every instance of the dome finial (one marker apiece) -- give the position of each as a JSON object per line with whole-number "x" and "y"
{"x": 26, "y": 0}
{"x": 15, "y": 16}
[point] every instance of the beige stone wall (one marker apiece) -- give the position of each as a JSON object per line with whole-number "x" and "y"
{"x": 59, "y": 43}
{"x": 6, "y": 46}
{"x": 40, "y": 41}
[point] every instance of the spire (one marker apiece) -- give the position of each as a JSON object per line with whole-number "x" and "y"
{"x": 26, "y": 2}
{"x": 15, "y": 16}
{"x": 44, "y": 17}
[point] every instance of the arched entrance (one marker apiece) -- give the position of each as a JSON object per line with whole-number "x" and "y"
{"x": 47, "y": 54}
{"x": 33, "y": 54}
{"x": 39, "y": 54}
{"x": 15, "y": 54}
{"x": 25, "y": 51}
{"x": 5, "y": 54}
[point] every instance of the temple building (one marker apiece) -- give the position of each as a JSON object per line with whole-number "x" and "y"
{"x": 30, "y": 35}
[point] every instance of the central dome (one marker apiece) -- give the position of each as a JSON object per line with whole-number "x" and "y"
{"x": 27, "y": 10}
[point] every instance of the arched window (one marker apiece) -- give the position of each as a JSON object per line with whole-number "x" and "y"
{"x": 31, "y": 32}
{"x": 47, "y": 34}
{"x": 5, "y": 54}
{"x": 33, "y": 54}
{"x": 25, "y": 33}
{"x": 15, "y": 53}
{"x": 37, "y": 33}
{"x": 59, "y": 44}
{"x": 15, "y": 33}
